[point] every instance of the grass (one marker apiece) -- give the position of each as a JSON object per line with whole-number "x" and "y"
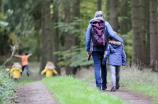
{"x": 69, "y": 90}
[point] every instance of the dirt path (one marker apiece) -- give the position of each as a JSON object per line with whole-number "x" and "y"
{"x": 129, "y": 96}
{"x": 35, "y": 93}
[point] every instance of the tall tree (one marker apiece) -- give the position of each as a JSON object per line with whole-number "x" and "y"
{"x": 153, "y": 34}
{"x": 44, "y": 35}
{"x": 144, "y": 12}
{"x": 147, "y": 25}
{"x": 99, "y": 4}
{"x": 56, "y": 34}
{"x": 114, "y": 14}
{"x": 137, "y": 37}
{"x": 68, "y": 36}
{"x": 48, "y": 31}
{"x": 124, "y": 17}
{"x": 107, "y": 10}
{"x": 76, "y": 14}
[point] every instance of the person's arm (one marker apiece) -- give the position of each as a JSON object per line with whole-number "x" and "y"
{"x": 112, "y": 34}
{"x": 29, "y": 55}
{"x": 54, "y": 71}
{"x": 9, "y": 70}
{"x": 44, "y": 71}
{"x": 106, "y": 54}
{"x": 88, "y": 38}
{"x": 123, "y": 58}
{"x": 17, "y": 56}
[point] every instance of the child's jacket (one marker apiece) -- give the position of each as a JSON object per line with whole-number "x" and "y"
{"x": 49, "y": 72}
{"x": 116, "y": 54}
{"x": 16, "y": 72}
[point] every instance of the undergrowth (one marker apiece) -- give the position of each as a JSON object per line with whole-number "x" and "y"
{"x": 7, "y": 87}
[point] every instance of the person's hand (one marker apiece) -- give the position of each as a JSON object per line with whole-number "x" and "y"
{"x": 41, "y": 74}
{"x": 88, "y": 53}
{"x": 123, "y": 66}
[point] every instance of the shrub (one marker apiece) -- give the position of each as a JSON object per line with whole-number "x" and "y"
{"x": 7, "y": 87}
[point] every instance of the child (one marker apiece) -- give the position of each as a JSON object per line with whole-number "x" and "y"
{"x": 49, "y": 69}
{"x": 24, "y": 59}
{"x": 117, "y": 57}
{"x": 16, "y": 69}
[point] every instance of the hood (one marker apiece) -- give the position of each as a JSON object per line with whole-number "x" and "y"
{"x": 16, "y": 68}
{"x": 115, "y": 44}
{"x": 50, "y": 66}
{"x": 96, "y": 19}
{"x": 16, "y": 64}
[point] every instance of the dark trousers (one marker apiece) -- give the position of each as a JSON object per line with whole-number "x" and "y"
{"x": 27, "y": 68}
{"x": 99, "y": 77}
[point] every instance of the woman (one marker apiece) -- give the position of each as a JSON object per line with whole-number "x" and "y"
{"x": 98, "y": 52}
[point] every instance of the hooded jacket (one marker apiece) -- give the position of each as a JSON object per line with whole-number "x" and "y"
{"x": 116, "y": 55}
{"x": 89, "y": 42}
{"x": 16, "y": 72}
{"x": 49, "y": 72}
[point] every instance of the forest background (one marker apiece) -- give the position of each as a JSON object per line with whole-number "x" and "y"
{"x": 54, "y": 30}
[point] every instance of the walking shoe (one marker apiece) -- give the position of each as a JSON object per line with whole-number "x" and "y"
{"x": 113, "y": 89}
{"x": 117, "y": 87}
{"x": 27, "y": 73}
{"x": 104, "y": 88}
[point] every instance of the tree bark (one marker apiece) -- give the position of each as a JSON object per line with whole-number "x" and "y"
{"x": 153, "y": 34}
{"x": 43, "y": 37}
{"x": 56, "y": 35}
{"x": 48, "y": 31}
{"x": 68, "y": 37}
{"x": 147, "y": 25}
{"x": 114, "y": 14}
{"x": 99, "y": 4}
{"x": 137, "y": 37}
{"x": 124, "y": 17}
{"x": 144, "y": 11}
{"x": 76, "y": 13}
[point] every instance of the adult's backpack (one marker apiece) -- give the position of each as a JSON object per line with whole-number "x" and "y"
{"x": 98, "y": 33}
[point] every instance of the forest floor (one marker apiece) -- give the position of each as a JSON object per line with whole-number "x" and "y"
{"x": 37, "y": 93}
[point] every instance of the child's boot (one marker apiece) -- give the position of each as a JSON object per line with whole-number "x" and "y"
{"x": 113, "y": 89}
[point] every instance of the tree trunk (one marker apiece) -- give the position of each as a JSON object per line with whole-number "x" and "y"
{"x": 107, "y": 17}
{"x": 147, "y": 25}
{"x": 144, "y": 30}
{"x": 49, "y": 28}
{"x": 76, "y": 13}
{"x": 43, "y": 37}
{"x": 99, "y": 4}
{"x": 114, "y": 14}
{"x": 56, "y": 35}
{"x": 68, "y": 37}
{"x": 124, "y": 17}
{"x": 153, "y": 34}
{"x": 137, "y": 37}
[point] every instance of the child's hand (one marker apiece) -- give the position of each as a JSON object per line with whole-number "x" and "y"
{"x": 6, "y": 69}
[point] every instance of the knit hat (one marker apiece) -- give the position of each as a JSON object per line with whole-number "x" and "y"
{"x": 50, "y": 66}
{"x": 99, "y": 14}
{"x": 16, "y": 64}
